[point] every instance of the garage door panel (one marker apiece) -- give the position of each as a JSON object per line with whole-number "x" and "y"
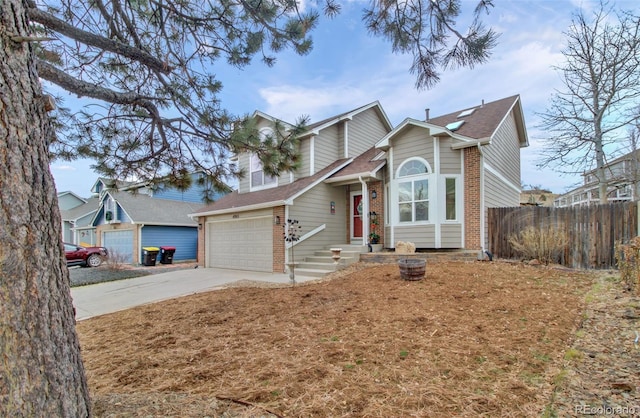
{"x": 119, "y": 244}
{"x": 241, "y": 244}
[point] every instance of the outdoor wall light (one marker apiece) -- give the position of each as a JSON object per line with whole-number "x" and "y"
{"x": 276, "y": 220}
{"x": 200, "y": 227}
{"x": 374, "y": 194}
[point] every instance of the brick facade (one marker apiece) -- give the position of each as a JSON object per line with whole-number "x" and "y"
{"x": 278, "y": 240}
{"x": 472, "y": 201}
{"x": 377, "y": 205}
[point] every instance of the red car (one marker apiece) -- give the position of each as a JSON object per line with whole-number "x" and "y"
{"x": 84, "y": 256}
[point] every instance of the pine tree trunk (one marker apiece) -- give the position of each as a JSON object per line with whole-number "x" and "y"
{"x": 41, "y": 371}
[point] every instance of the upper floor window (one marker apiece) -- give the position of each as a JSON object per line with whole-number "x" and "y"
{"x": 413, "y": 191}
{"x": 259, "y": 179}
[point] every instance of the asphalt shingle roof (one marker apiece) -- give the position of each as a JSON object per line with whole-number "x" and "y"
{"x": 93, "y": 203}
{"x": 483, "y": 122}
{"x": 142, "y": 208}
{"x": 362, "y": 164}
{"x": 274, "y": 195}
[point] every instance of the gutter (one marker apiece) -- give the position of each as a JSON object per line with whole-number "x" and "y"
{"x": 240, "y": 208}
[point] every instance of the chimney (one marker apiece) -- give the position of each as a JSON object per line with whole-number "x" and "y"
{"x": 426, "y": 114}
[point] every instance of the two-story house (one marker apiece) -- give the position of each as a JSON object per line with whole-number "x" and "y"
{"x": 622, "y": 176}
{"x": 428, "y": 182}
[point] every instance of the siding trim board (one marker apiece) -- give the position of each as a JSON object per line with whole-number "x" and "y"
{"x": 502, "y": 178}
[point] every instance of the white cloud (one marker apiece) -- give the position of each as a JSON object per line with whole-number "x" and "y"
{"x": 64, "y": 168}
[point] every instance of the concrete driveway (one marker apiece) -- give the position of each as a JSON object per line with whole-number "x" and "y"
{"x": 99, "y": 299}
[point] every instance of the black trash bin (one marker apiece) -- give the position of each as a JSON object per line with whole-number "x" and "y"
{"x": 149, "y": 255}
{"x": 166, "y": 254}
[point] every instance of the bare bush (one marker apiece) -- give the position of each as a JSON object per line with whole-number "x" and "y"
{"x": 628, "y": 261}
{"x": 543, "y": 244}
{"x": 115, "y": 260}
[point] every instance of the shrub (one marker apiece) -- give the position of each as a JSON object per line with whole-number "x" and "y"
{"x": 628, "y": 261}
{"x": 115, "y": 261}
{"x": 544, "y": 244}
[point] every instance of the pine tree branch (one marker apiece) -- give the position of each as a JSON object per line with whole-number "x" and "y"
{"x": 88, "y": 38}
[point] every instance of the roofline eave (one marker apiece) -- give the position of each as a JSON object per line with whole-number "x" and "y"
{"x": 236, "y": 209}
{"x": 471, "y": 143}
{"x": 434, "y": 130}
{"x": 152, "y": 223}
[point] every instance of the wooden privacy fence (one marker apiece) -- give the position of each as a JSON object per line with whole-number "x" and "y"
{"x": 592, "y": 231}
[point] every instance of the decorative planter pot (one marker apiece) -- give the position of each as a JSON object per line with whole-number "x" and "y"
{"x": 412, "y": 268}
{"x": 335, "y": 254}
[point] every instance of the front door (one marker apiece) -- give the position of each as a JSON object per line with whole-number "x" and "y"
{"x": 356, "y": 215}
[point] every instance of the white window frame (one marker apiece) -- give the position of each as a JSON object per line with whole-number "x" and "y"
{"x": 458, "y": 196}
{"x": 254, "y": 161}
{"x": 413, "y": 178}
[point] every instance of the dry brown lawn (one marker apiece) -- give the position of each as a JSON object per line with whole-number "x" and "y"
{"x": 471, "y": 339}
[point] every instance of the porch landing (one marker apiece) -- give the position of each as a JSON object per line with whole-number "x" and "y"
{"x": 321, "y": 263}
{"x": 431, "y": 256}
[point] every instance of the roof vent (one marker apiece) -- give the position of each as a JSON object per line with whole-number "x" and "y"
{"x": 466, "y": 112}
{"x": 454, "y": 126}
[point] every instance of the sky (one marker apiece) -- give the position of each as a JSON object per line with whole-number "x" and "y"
{"x": 349, "y": 68}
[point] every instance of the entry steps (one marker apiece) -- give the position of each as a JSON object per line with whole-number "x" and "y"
{"x": 321, "y": 262}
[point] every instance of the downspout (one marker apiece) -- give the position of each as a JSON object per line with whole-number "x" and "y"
{"x": 140, "y": 260}
{"x": 365, "y": 209}
{"x": 482, "y": 208}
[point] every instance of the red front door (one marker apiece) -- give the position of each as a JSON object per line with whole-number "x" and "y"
{"x": 356, "y": 215}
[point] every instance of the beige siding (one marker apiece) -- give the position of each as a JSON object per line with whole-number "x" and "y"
{"x": 240, "y": 241}
{"x": 326, "y": 147}
{"x": 497, "y": 194}
{"x": 365, "y": 130}
{"x": 313, "y": 209}
{"x": 244, "y": 183}
{"x": 451, "y": 236}
{"x": 423, "y": 236}
{"x": 450, "y": 159}
{"x": 305, "y": 158}
{"x": 414, "y": 142}
{"x": 503, "y": 154}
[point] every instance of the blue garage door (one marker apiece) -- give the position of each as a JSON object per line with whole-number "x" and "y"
{"x": 119, "y": 244}
{"x": 184, "y": 238}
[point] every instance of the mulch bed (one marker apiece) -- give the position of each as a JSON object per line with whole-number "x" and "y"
{"x": 471, "y": 339}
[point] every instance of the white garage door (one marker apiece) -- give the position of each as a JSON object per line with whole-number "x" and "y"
{"x": 119, "y": 244}
{"x": 243, "y": 244}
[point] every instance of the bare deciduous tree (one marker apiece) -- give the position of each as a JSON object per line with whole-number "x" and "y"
{"x": 601, "y": 76}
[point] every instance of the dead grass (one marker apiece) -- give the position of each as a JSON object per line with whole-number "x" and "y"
{"x": 471, "y": 339}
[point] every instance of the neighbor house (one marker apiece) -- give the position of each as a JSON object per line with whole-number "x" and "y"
{"x": 77, "y": 227}
{"x": 622, "y": 176}
{"x": 125, "y": 217}
{"x": 428, "y": 182}
{"x": 537, "y": 197}
{"x": 127, "y": 222}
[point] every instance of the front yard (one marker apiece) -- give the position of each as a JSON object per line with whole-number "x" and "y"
{"x": 471, "y": 339}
